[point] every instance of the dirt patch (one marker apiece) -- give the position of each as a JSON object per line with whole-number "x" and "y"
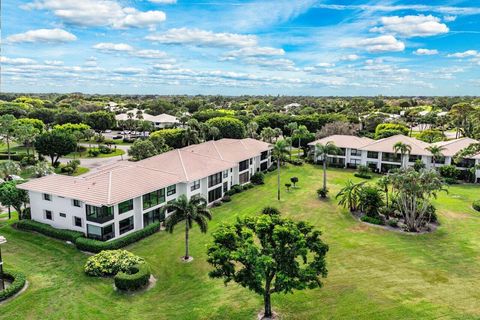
{"x": 456, "y": 215}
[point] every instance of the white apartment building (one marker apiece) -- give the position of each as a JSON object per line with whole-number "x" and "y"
{"x": 118, "y": 199}
{"x": 160, "y": 121}
{"x": 380, "y": 156}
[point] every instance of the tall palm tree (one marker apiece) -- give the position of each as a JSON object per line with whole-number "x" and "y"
{"x": 214, "y": 132}
{"x": 403, "y": 149}
{"x": 252, "y": 128}
{"x": 280, "y": 151}
{"x": 349, "y": 195}
{"x": 190, "y": 136}
{"x": 323, "y": 150}
{"x": 301, "y": 132}
{"x": 436, "y": 152}
{"x": 189, "y": 211}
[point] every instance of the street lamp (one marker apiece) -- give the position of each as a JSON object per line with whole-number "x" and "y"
{"x": 2, "y": 281}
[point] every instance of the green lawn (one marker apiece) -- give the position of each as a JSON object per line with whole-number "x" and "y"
{"x": 373, "y": 273}
{"x": 80, "y": 155}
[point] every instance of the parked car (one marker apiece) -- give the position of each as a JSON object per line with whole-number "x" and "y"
{"x": 117, "y": 137}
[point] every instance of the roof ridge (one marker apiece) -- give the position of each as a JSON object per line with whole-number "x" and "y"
{"x": 183, "y": 165}
{"x": 216, "y": 149}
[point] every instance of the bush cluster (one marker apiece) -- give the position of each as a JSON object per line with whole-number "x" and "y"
{"x": 476, "y": 205}
{"x": 362, "y": 175}
{"x": 135, "y": 278}
{"x": 62, "y": 234}
{"x": 372, "y": 220}
{"x": 92, "y": 245}
{"x": 258, "y": 178}
{"x": 226, "y": 198}
{"x": 111, "y": 262}
{"x": 295, "y": 162}
{"x": 17, "y": 283}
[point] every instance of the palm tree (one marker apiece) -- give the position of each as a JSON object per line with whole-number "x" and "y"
{"x": 190, "y": 136}
{"x": 267, "y": 134}
{"x": 403, "y": 149}
{"x": 214, "y": 132}
{"x": 383, "y": 184}
{"x": 280, "y": 151}
{"x": 193, "y": 210}
{"x": 8, "y": 169}
{"x": 349, "y": 195}
{"x": 323, "y": 150}
{"x": 301, "y": 132}
{"x": 139, "y": 115}
{"x": 252, "y": 128}
{"x": 436, "y": 152}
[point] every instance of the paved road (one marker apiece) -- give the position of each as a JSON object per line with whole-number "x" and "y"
{"x": 93, "y": 163}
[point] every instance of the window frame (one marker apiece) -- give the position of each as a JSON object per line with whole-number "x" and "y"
{"x": 47, "y": 197}
{"x": 128, "y": 203}
{"x": 170, "y": 191}
{"x": 195, "y": 185}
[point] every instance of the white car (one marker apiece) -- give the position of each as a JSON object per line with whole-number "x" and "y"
{"x": 108, "y": 131}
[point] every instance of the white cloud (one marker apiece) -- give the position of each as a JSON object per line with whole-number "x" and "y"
{"x": 203, "y": 38}
{"x": 465, "y": 54}
{"x": 164, "y": 1}
{"x": 378, "y": 44}
{"x": 426, "y": 52}
{"x": 390, "y": 8}
{"x": 128, "y": 70}
{"x": 150, "y": 54}
{"x": 256, "y": 52}
{"x": 16, "y": 61}
{"x": 325, "y": 65}
{"x": 53, "y": 62}
{"x": 449, "y": 18}
{"x": 412, "y": 26}
{"x": 350, "y": 57}
{"x": 43, "y": 35}
{"x": 98, "y": 13}
{"x": 108, "y": 46}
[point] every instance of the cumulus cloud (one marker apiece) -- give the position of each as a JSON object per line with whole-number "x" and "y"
{"x": 465, "y": 54}
{"x": 426, "y": 52}
{"x": 350, "y": 57}
{"x": 326, "y": 65}
{"x": 53, "y": 62}
{"x": 256, "y": 52}
{"x": 150, "y": 54}
{"x": 99, "y": 13}
{"x": 43, "y": 35}
{"x": 412, "y": 26}
{"x": 200, "y": 37}
{"x": 377, "y": 44}
{"x": 16, "y": 61}
{"x": 112, "y": 47}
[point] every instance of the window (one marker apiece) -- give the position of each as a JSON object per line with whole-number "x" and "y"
{"x": 125, "y": 206}
{"x": 76, "y": 203}
{"x": 100, "y": 233}
{"x": 251, "y": 161}
{"x": 355, "y": 152}
{"x": 48, "y": 215}
{"x": 152, "y": 216}
{"x": 170, "y": 210}
{"x": 47, "y": 197}
{"x": 195, "y": 185}
{"x": 264, "y": 166}
{"x": 225, "y": 187}
{"x": 153, "y": 198}
{"x": 172, "y": 190}
{"x": 263, "y": 155}
{"x": 77, "y": 222}
{"x": 372, "y": 155}
{"x": 215, "y": 194}
{"x": 413, "y": 158}
{"x": 62, "y": 215}
{"x": 225, "y": 174}
{"x": 244, "y": 177}
{"x": 126, "y": 225}
{"x": 214, "y": 179}
{"x": 391, "y": 157}
{"x": 99, "y": 214}
{"x": 244, "y": 165}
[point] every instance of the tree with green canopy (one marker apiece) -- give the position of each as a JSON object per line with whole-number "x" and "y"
{"x": 55, "y": 143}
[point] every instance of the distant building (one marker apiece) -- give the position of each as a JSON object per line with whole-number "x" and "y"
{"x": 159, "y": 122}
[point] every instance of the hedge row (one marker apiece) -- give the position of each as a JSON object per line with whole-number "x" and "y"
{"x": 92, "y": 245}
{"x": 476, "y": 205}
{"x": 18, "y": 282}
{"x": 137, "y": 278}
{"x": 62, "y": 234}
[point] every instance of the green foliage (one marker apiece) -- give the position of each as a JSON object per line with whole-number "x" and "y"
{"x": 322, "y": 193}
{"x": 10, "y": 195}
{"x": 372, "y": 220}
{"x": 431, "y": 136}
{"x": 17, "y": 280}
{"x": 71, "y": 167}
{"x": 172, "y": 137}
{"x": 385, "y": 130}
{"x": 228, "y": 127}
{"x": 476, "y": 205}
{"x": 69, "y": 116}
{"x": 136, "y": 277}
{"x": 257, "y": 178}
{"x": 268, "y": 254}
{"x": 45, "y": 115}
{"x": 36, "y": 123}
{"x": 72, "y": 128}
{"x": 294, "y": 180}
{"x": 419, "y": 165}
{"x": 142, "y": 149}
{"x": 45, "y": 229}
{"x": 207, "y": 114}
{"x": 55, "y": 143}
{"x": 449, "y": 172}
{"x": 370, "y": 200}
{"x": 100, "y": 120}
{"x": 92, "y": 245}
{"x": 363, "y": 172}
{"x": 111, "y": 262}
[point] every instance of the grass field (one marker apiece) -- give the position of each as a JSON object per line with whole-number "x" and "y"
{"x": 80, "y": 155}
{"x": 373, "y": 273}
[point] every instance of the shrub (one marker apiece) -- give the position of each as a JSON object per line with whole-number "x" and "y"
{"x": 93, "y": 152}
{"x": 247, "y": 186}
{"x": 258, "y": 178}
{"x": 322, "y": 193}
{"x": 17, "y": 283}
{"x": 393, "y": 223}
{"x": 273, "y": 167}
{"x": 476, "y": 205}
{"x": 288, "y": 185}
{"x": 135, "y": 278}
{"x": 449, "y": 172}
{"x": 372, "y": 220}
{"x": 45, "y": 229}
{"x": 270, "y": 211}
{"x": 104, "y": 149}
{"x": 217, "y": 204}
{"x": 111, "y": 262}
{"x": 226, "y": 198}
{"x": 451, "y": 181}
{"x": 362, "y": 175}
{"x": 92, "y": 245}
{"x": 294, "y": 180}
{"x": 295, "y": 162}
{"x": 28, "y": 161}
{"x": 236, "y": 188}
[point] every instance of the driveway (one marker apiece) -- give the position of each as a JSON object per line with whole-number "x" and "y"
{"x": 94, "y": 163}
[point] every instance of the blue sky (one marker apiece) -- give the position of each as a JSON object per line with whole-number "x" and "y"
{"x": 295, "y": 47}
